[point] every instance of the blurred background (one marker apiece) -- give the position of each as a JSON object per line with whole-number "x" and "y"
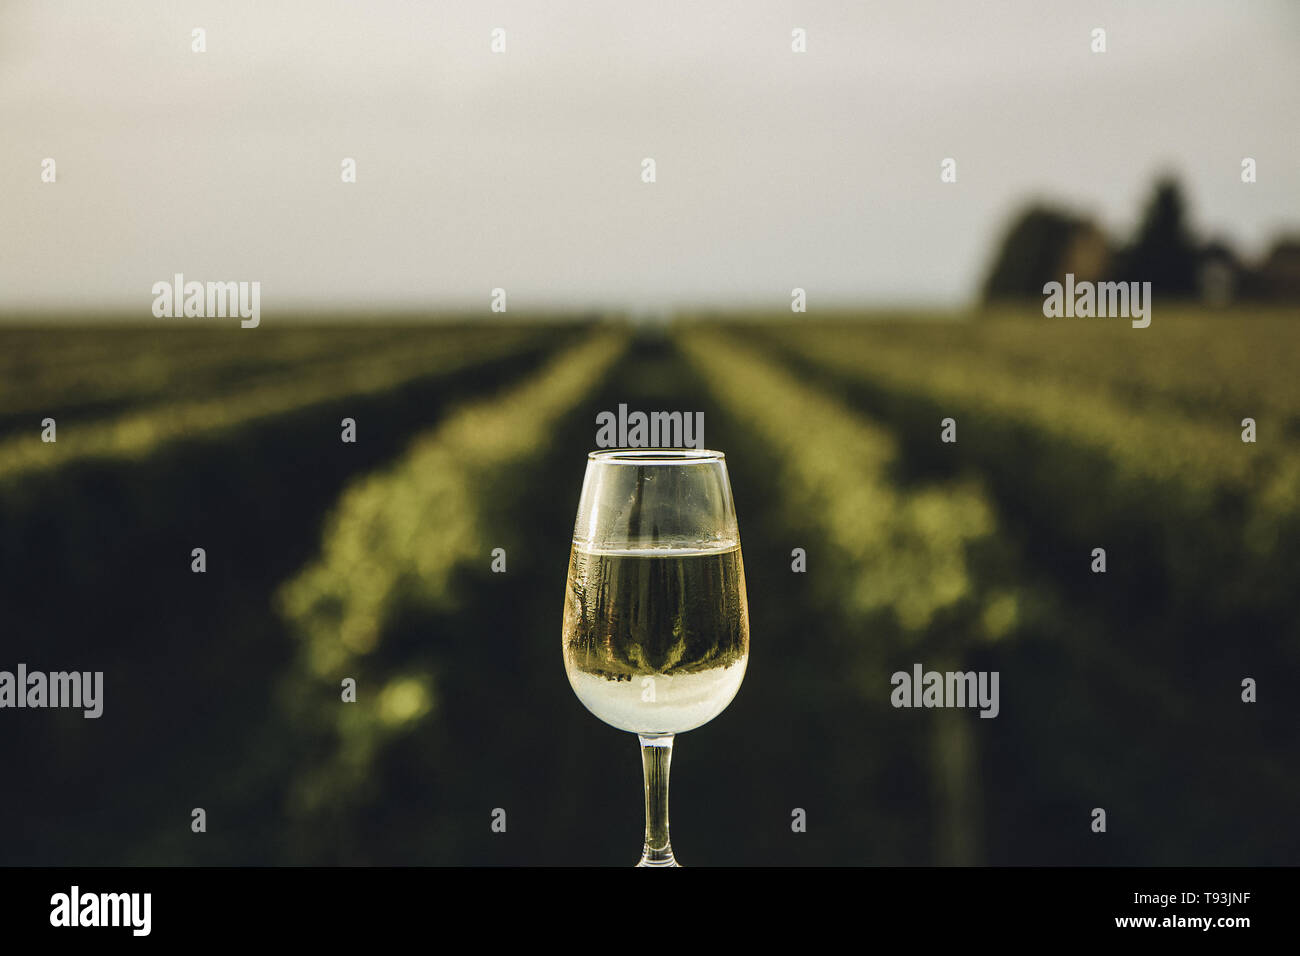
{"x": 130, "y": 155}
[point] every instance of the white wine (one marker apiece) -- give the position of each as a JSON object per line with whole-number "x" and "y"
{"x": 656, "y": 625}
{"x": 656, "y": 641}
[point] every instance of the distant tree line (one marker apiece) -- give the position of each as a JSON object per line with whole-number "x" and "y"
{"x": 1045, "y": 242}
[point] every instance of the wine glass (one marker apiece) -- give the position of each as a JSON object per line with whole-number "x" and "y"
{"x": 656, "y": 627}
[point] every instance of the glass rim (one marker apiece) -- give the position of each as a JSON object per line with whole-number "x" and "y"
{"x": 657, "y": 456}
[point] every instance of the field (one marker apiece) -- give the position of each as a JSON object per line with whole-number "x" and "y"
{"x": 371, "y": 560}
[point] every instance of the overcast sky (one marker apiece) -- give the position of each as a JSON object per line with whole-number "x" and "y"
{"x": 523, "y": 170}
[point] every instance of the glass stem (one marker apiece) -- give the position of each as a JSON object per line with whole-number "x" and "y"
{"x": 656, "y": 756}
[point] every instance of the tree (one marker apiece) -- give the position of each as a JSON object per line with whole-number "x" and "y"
{"x": 1032, "y": 253}
{"x": 1163, "y": 252}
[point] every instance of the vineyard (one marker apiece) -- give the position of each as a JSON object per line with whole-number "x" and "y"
{"x": 425, "y": 562}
